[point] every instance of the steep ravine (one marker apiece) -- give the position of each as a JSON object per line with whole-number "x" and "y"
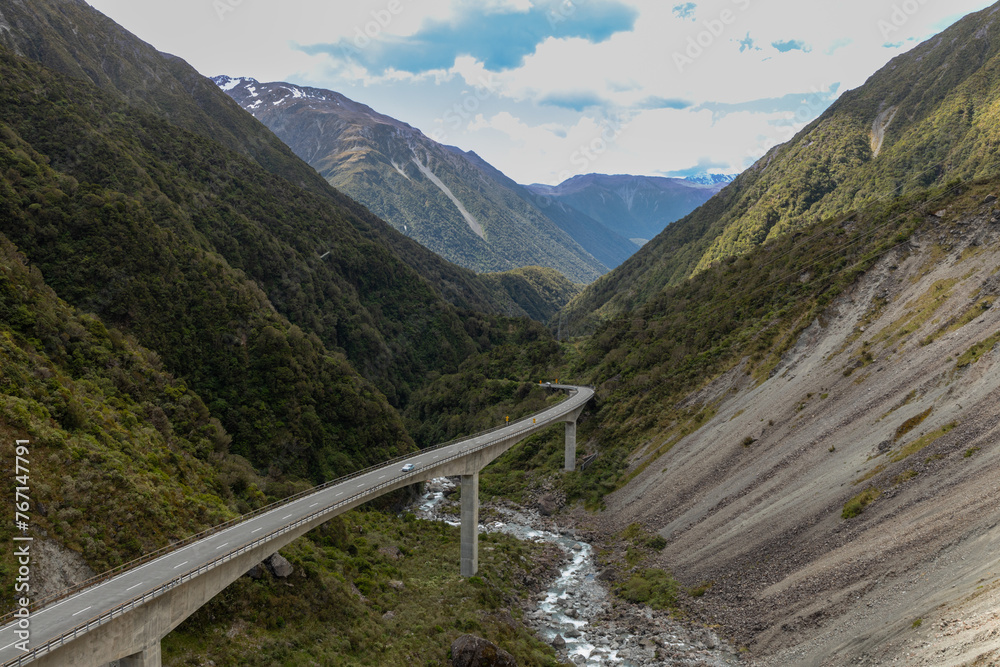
{"x": 576, "y": 613}
{"x": 876, "y": 395}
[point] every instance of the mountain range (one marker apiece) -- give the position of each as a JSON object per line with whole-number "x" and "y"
{"x": 794, "y": 433}
{"x": 453, "y": 201}
{"x": 636, "y": 207}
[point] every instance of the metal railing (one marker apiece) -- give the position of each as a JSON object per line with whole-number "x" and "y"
{"x": 139, "y": 600}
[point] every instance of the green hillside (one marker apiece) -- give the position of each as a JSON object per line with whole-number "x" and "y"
{"x": 942, "y": 104}
{"x": 539, "y": 291}
{"x": 112, "y": 436}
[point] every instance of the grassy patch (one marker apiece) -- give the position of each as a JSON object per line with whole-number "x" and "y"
{"x": 368, "y": 589}
{"x": 858, "y": 503}
{"x": 701, "y": 589}
{"x": 972, "y": 355}
{"x": 921, "y": 442}
{"x": 653, "y": 587}
{"x": 868, "y": 475}
{"x": 971, "y": 314}
{"x": 970, "y": 452}
{"x": 919, "y": 311}
{"x": 904, "y": 477}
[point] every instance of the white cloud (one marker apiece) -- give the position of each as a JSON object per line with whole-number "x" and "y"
{"x": 628, "y": 73}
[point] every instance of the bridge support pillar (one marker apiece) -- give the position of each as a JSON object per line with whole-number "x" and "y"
{"x": 470, "y": 524}
{"x": 570, "y": 446}
{"x": 150, "y": 657}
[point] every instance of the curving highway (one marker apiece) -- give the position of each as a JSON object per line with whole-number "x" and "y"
{"x": 137, "y": 607}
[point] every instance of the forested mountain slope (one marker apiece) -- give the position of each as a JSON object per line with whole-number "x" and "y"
{"x": 438, "y": 195}
{"x": 71, "y": 37}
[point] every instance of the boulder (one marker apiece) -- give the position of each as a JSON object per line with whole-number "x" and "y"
{"x": 472, "y": 651}
{"x": 548, "y": 504}
{"x": 279, "y": 566}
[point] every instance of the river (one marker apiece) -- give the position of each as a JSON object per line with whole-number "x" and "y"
{"x": 575, "y": 614}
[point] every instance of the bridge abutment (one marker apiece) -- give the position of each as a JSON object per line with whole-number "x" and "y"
{"x": 470, "y": 524}
{"x": 147, "y": 658}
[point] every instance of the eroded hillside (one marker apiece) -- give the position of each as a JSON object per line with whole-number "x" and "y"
{"x": 884, "y": 411}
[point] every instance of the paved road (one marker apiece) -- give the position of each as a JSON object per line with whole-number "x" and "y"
{"x": 65, "y": 615}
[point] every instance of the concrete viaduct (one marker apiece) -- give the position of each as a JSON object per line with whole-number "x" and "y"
{"x": 122, "y": 616}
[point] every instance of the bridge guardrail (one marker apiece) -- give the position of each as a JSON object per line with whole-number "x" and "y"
{"x": 141, "y": 599}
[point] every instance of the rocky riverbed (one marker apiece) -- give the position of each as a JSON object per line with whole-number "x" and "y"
{"x": 575, "y": 612}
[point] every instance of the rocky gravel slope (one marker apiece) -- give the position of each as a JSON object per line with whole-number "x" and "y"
{"x": 895, "y": 391}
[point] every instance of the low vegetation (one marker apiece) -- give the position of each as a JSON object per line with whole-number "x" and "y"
{"x": 371, "y": 589}
{"x": 858, "y": 503}
{"x": 921, "y": 442}
{"x": 653, "y": 587}
{"x": 911, "y": 423}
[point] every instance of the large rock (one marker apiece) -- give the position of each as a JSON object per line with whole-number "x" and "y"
{"x": 472, "y": 651}
{"x": 279, "y": 566}
{"x": 548, "y": 504}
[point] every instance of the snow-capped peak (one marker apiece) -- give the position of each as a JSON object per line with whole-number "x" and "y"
{"x": 227, "y": 83}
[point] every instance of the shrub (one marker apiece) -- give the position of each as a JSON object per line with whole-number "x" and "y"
{"x": 654, "y": 587}
{"x": 858, "y": 503}
{"x": 657, "y": 543}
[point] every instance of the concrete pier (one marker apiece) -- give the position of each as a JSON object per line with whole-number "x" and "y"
{"x": 148, "y": 658}
{"x": 570, "y": 446}
{"x": 470, "y": 524}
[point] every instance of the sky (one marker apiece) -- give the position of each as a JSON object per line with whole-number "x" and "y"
{"x": 548, "y": 89}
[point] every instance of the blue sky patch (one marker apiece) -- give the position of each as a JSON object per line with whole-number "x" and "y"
{"x": 577, "y": 101}
{"x": 663, "y": 103}
{"x": 748, "y": 44}
{"x": 685, "y": 11}
{"x": 813, "y": 103}
{"x": 499, "y": 40}
{"x": 791, "y": 45}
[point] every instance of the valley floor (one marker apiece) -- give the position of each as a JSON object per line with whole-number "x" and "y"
{"x": 886, "y": 408}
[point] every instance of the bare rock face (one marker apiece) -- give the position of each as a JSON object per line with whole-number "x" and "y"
{"x": 279, "y": 566}
{"x": 56, "y": 568}
{"x": 472, "y": 651}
